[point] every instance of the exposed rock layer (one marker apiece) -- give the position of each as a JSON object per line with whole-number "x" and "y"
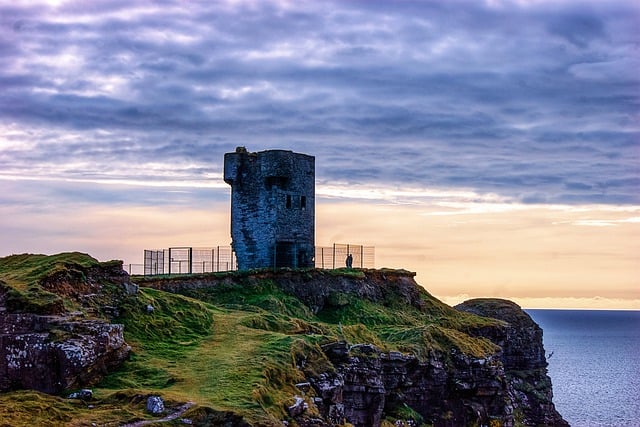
{"x": 55, "y": 353}
{"x": 59, "y": 350}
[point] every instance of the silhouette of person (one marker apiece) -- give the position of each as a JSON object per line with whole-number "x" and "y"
{"x": 349, "y": 261}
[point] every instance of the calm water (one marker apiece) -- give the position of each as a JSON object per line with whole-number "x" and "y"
{"x": 594, "y": 366}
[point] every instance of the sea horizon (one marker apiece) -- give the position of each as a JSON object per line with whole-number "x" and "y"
{"x": 551, "y": 303}
{"x": 580, "y": 309}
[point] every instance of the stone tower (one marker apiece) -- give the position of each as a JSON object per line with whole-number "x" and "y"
{"x": 272, "y": 208}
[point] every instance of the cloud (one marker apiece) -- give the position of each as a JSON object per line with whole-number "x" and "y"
{"x": 534, "y": 101}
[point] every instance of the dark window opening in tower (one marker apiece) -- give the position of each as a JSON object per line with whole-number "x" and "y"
{"x": 275, "y": 181}
{"x": 288, "y": 204}
{"x": 303, "y": 202}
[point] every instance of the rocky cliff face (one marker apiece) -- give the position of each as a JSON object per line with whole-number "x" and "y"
{"x": 368, "y": 384}
{"x": 56, "y": 335}
{"x": 509, "y": 388}
{"x": 523, "y": 358}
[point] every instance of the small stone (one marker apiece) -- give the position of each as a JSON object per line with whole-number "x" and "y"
{"x": 155, "y": 405}
{"x": 111, "y": 311}
{"x": 84, "y": 394}
{"x": 130, "y": 288}
{"x": 304, "y": 386}
{"x": 298, "y": 407}
{"x": 150, "y": 308}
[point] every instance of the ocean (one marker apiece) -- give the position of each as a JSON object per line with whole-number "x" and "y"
{"x": 594, "y": 365}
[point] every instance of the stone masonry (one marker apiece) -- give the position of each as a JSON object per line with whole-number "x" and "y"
{"x": 272, "y": 208}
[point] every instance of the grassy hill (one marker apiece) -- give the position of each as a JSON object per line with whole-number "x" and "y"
{"x": 238, "y": 345}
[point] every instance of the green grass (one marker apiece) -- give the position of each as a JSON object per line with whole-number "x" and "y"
{"x": 191, "y": 350}
{"x": 398, "y": 326}
{"x": 174, "y": 325}
{"x": 405, "y": 412}
{"x": 242, "y": 294}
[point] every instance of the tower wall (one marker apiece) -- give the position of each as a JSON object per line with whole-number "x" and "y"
{"x": 272, "y": 207}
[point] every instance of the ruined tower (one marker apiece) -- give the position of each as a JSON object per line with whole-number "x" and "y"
{"x": 272, "y": 207}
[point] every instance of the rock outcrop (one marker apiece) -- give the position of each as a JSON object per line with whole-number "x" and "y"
{"x": 369, "y": 383}
{"x": 47, "y": 347}
{"x": 508, "y": 388}
{"x": 523, "y": 357}
{"x": 57, "y": 353}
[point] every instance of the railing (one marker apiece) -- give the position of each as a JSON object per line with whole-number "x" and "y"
{"x": 336, "y": 256}
{"x": 186, "y": 260}
{"x": 189, "y": 260}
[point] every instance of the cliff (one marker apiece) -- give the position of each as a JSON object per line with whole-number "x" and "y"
{"x": 322, "y": 348}
{"x": 523, "y": 358}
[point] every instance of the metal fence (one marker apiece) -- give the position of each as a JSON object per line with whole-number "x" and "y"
{"x": 185, "y": 260}
{"x": 335, "y": 256}
{"x": 189, "y": 260}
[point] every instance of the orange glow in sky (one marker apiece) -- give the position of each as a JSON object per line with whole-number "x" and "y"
{"x": 541, "y": 256}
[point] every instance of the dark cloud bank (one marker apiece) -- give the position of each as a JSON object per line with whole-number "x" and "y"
{"x": 538, "y": 102}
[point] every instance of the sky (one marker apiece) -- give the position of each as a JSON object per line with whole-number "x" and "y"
{"x": 493, "y": 147}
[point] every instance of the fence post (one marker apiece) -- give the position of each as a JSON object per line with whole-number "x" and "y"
{"x": 334, "y": 256}
{"x": 361, "y": 256}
